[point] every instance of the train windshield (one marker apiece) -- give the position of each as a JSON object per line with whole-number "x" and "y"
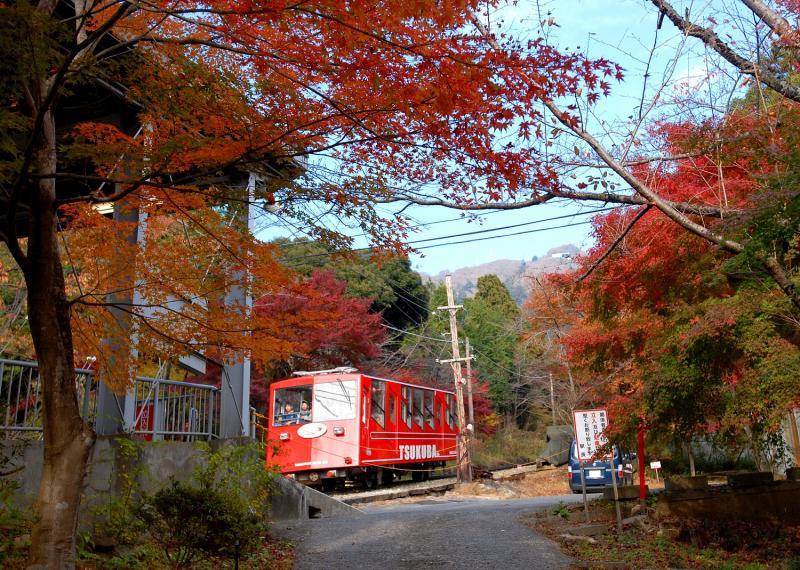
{"x": 335, "y": 401}
{"x": 292, "y": 406}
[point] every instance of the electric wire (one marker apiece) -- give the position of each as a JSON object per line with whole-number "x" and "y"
{"x": 537, "y": 230}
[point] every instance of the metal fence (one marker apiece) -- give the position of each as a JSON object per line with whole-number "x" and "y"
{"x": 20, "y": 405}
{"x": 163, "y": 409}
{"x": 166, "y": 409}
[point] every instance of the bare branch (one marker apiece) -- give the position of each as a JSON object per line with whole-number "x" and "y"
{"x": 613, "y": 246}
{"x": 759, "y": 72}
{"x": 605, "y": 197}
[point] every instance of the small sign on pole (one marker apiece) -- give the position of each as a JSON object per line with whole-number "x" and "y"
{"x": 655, "y": 466}
{"x": 588, "y": 437}
{"x": 589, "y": 427}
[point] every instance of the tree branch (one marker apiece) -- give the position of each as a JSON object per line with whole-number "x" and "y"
{"x": 613, "y": 246}
{"x": 605, "y": 197}
{"x": 759, "y": 72}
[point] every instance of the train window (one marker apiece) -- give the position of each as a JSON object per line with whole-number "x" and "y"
{"x": 437, "y": 411}
{"x": 418, "y": 407}
{"x": 378, "y": 402}
{"x": 429, "y": 419}
{"x": 450, "y": 405}
{"x": 335, "y": 401}
{"x": 405, "y": 394}
{"x": 392, "y": 409}
{"x": 292, "y": 406}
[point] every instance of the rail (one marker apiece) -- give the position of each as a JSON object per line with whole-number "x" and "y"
{"x": 20, "y": 388}
{"x": 258, "y": 425}
{"x": 164, "y": 409}
{"x": 172, "y": 410}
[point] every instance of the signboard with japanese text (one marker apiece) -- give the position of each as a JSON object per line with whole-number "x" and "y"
{"x": 589, "y": 427}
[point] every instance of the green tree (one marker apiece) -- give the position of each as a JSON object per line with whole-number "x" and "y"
{"x": 491, "y": 323}
{"x": 396, "y": 290}
{"x": 493, "y": 293}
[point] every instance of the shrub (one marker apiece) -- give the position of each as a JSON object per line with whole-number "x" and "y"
{"x": 222, "y": 512}
{"x": 193, "y": 523}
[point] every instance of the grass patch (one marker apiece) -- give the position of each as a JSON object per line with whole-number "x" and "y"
{"x": 508, "y": 445}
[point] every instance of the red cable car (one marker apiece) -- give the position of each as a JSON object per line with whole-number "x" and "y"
{"x": 330, "y": 426}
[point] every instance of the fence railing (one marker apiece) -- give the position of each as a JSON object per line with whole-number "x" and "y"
{"x": 258, "y": 425}
{"x": 163, "y": 409}
{"x": 166, "y": 409}
{"x": 20, "y": 403}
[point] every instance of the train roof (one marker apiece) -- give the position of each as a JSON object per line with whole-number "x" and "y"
{"x": 298, "y": 377}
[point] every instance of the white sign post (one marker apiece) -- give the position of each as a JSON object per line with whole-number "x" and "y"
{"x": 589, "y": 436}
{"x": 655, "y": 466}
{"x": 589, "y": 427}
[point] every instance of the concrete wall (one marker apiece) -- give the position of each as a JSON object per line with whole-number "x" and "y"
{"x": 295, "y": 501}
{"x": 162, "y": 461}
{"x": 155, "y": 464}
{"x": 776, "y": 503}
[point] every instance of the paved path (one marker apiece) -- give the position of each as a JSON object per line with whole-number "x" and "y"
{"x": 468, "y": 534}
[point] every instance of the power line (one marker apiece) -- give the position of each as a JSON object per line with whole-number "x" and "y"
{"x": 501, "y": 367}
{"x": 415, "y": 334}
{"x": 506, "y": 235}
{"x": 415, "y": 226}
{"x": 364, "y": 249}
{"x": 508, "y": 227}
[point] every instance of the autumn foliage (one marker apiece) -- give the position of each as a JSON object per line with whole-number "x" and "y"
{"x": 668, "y": 330}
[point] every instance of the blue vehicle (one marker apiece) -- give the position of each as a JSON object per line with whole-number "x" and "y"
{"x": 598, "y": 473}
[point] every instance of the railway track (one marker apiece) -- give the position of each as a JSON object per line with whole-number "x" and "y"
{"x": 436, "y": 485}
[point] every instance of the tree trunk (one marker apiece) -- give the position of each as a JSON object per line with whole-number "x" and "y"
{"x": 690, "y": 453}
{"x": 67, "y": 439}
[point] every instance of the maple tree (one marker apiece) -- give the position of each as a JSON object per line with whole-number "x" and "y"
{"x": 675, "y": 333}
{"x": 620, "y": 180}
{"x": 334, "y": 329}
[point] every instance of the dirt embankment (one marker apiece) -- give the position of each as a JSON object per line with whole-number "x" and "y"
{"x": 540, "y": 483}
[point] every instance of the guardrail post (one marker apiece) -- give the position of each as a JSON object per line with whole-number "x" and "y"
{"x": 156, "y": 412}
{"x": 211, "y": 395}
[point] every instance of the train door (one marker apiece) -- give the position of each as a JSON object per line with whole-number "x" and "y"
{"x": 364, "y": 440}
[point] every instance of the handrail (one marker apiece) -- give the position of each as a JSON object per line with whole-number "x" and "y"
{"x": 34, "y": 364}
{"x": 179, "y": 383}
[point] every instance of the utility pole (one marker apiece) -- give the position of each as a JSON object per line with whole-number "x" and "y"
{"x": 464, "y": 465}
{"x": 468, "y": 356}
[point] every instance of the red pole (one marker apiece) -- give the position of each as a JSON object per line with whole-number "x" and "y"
{"x": 640, "y": 456}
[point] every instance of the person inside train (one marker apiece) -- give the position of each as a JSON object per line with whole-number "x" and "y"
{"x": 305, "y": 412}
{"x": 289, "y": 416}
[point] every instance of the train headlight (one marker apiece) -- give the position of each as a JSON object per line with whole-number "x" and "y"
{"x": 338, "y": 431}
{"x": 313, "y": 476}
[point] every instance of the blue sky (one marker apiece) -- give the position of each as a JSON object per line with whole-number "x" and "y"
{"x": 622, "y": 31}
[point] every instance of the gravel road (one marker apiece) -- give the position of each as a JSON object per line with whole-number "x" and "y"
{"x": 469, "y": 534}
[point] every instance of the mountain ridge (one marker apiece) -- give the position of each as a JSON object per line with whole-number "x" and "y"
{"x": 516, "y": 274}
